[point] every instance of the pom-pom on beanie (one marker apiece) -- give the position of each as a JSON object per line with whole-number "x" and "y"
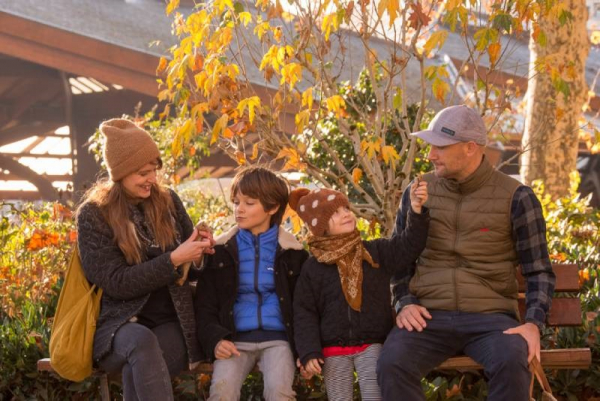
{"x": 316, "y": 207}
{"x": 127, "y": 147}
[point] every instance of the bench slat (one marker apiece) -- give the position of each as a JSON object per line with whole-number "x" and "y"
{"x": 44, "y": 365}
{"x": 567, "y": 278}
{"x": 572, "y": 358}
{"x": 564, "y": 312}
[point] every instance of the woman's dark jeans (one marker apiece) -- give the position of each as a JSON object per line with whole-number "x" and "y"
{"x": 147, "y": 358}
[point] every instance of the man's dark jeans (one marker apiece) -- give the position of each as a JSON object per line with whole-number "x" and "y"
{"x": 408, "y": 356}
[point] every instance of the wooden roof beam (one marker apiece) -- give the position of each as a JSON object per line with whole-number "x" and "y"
{"x": 76, "y": 54}
{"x": 27, "y": 130}
{"x": 45, "y": 188}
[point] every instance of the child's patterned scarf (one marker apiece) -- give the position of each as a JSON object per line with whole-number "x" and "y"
{"x": 347, "y": 252}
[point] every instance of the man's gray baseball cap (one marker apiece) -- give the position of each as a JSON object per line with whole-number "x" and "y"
{"x": 455, "y": 124}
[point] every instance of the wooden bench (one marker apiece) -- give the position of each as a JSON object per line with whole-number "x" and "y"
{"x": 564, "y": 312}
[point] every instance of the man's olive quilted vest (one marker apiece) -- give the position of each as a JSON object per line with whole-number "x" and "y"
{"x": 469, "y": 263}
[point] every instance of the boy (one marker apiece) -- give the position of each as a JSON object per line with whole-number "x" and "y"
{"x": 244, "y": 294}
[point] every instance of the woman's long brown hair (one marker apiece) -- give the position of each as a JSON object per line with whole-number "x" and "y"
{"x": 114, "y": 203}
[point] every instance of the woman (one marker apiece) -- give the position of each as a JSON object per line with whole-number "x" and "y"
{"x": 133, "y": 237}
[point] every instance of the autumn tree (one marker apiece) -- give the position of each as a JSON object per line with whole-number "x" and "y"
{"x": 333, "y": 88}
{"x": 556, "y": 95}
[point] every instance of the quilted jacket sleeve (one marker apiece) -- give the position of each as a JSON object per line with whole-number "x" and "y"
{"x": 398, "y": 253}
{"x": 306, "y": 317}
{"x": 208, "y": 310}
{"x": 104, "y": 264}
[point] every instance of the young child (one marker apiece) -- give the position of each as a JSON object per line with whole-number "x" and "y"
{"x": 244, "y": 294}
{"x": 342, "y": 303}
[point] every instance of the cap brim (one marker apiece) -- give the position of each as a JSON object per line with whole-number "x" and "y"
{"x": 434, "y": 138}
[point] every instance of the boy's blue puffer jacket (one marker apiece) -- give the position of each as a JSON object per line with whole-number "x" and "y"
{"x": 257, "y": 306}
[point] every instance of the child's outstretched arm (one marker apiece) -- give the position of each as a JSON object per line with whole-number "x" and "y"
{"x": 400, "y": 252}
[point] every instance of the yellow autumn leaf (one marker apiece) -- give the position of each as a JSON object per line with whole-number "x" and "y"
{"x": 284, "y": 53}
{"x": 270, "y": 58}
{"x": 222, "y": 4}
{"x": 254, "y": 152}
{"x": 356, "y": 175}
{"x": 336, "y": 104}
{"x": 437, "y": 39}
{"x": 173, "y": 4}
{"x": 391, "y": 6}
{"x": 389, "y": 155}
{"x": 440, "y": 89}
{"x": 218, "y": 128}
{"x": 291, "y": 73}
{"x": 228, "y": 133}
{"x": 186, "y": 131}
{"x": 162, "y": 64}
{"x": 307, "y": 98}
{"x": 494, "y": 52}
{"x": 330, "y": 24}
{"x": 240, "y": 157}
{"x": 294, "y": 219}
{"x": 261, "y": 29}
{"x": 277, "y": 33}
{"x": 292, "y": 159}
{"x": 245, "y": 18}
{"x": 262, "y": 4}
{"x": 371, "y": 148}
{"x": 251, "y": 104}
{"x": 302, "y": 119}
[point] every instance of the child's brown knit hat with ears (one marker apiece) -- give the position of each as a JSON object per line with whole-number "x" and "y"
{"x": 316, "y": 207}
{"x": 127, "y": 148}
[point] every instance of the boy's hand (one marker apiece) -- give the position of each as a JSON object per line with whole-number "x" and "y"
{"x": 418, "y": 194}
{"x": 313, "y": 366}
{"x": 225, "y": 349}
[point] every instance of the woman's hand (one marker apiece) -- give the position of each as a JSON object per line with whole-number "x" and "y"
{"x": 418, "y": 195}
{"x": 190, "y": 250}
{"x": 225, "y": 349}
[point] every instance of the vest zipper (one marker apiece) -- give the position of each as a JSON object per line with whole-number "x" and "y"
{"x": 256, "y": 266}
{"x": 456, "y": 218}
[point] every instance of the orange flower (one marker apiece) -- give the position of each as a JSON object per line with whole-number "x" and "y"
{"x": 61, "y": 212}
{"x": 584, "y": 275}
{"x": 41, "y": 239}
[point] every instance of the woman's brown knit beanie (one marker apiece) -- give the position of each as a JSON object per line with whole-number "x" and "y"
{"x": 316, "y": 207}
{"x": 127, "y": 148}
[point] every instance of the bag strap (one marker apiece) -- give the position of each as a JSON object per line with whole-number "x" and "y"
{"x": 537, "y": 372}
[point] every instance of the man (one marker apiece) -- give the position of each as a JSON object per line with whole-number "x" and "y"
{"x": 462, "y": 297}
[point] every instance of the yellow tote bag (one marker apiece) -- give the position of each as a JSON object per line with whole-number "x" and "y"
{"x": 72, "y": 337}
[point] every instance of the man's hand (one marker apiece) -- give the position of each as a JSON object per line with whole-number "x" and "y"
{"x": 411, "y": 317}
{"x": 313, "y": 366}
{"x": 531, "y": 334}
{"x": 225, "y": 349}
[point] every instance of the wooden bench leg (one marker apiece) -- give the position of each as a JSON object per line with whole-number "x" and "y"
{"x": 104, "y": 390}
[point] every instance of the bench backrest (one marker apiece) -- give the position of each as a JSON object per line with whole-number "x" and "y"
{"x": 565, "y": 311}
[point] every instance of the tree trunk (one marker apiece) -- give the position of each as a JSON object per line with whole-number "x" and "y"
{"x": 551, "y": 134}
